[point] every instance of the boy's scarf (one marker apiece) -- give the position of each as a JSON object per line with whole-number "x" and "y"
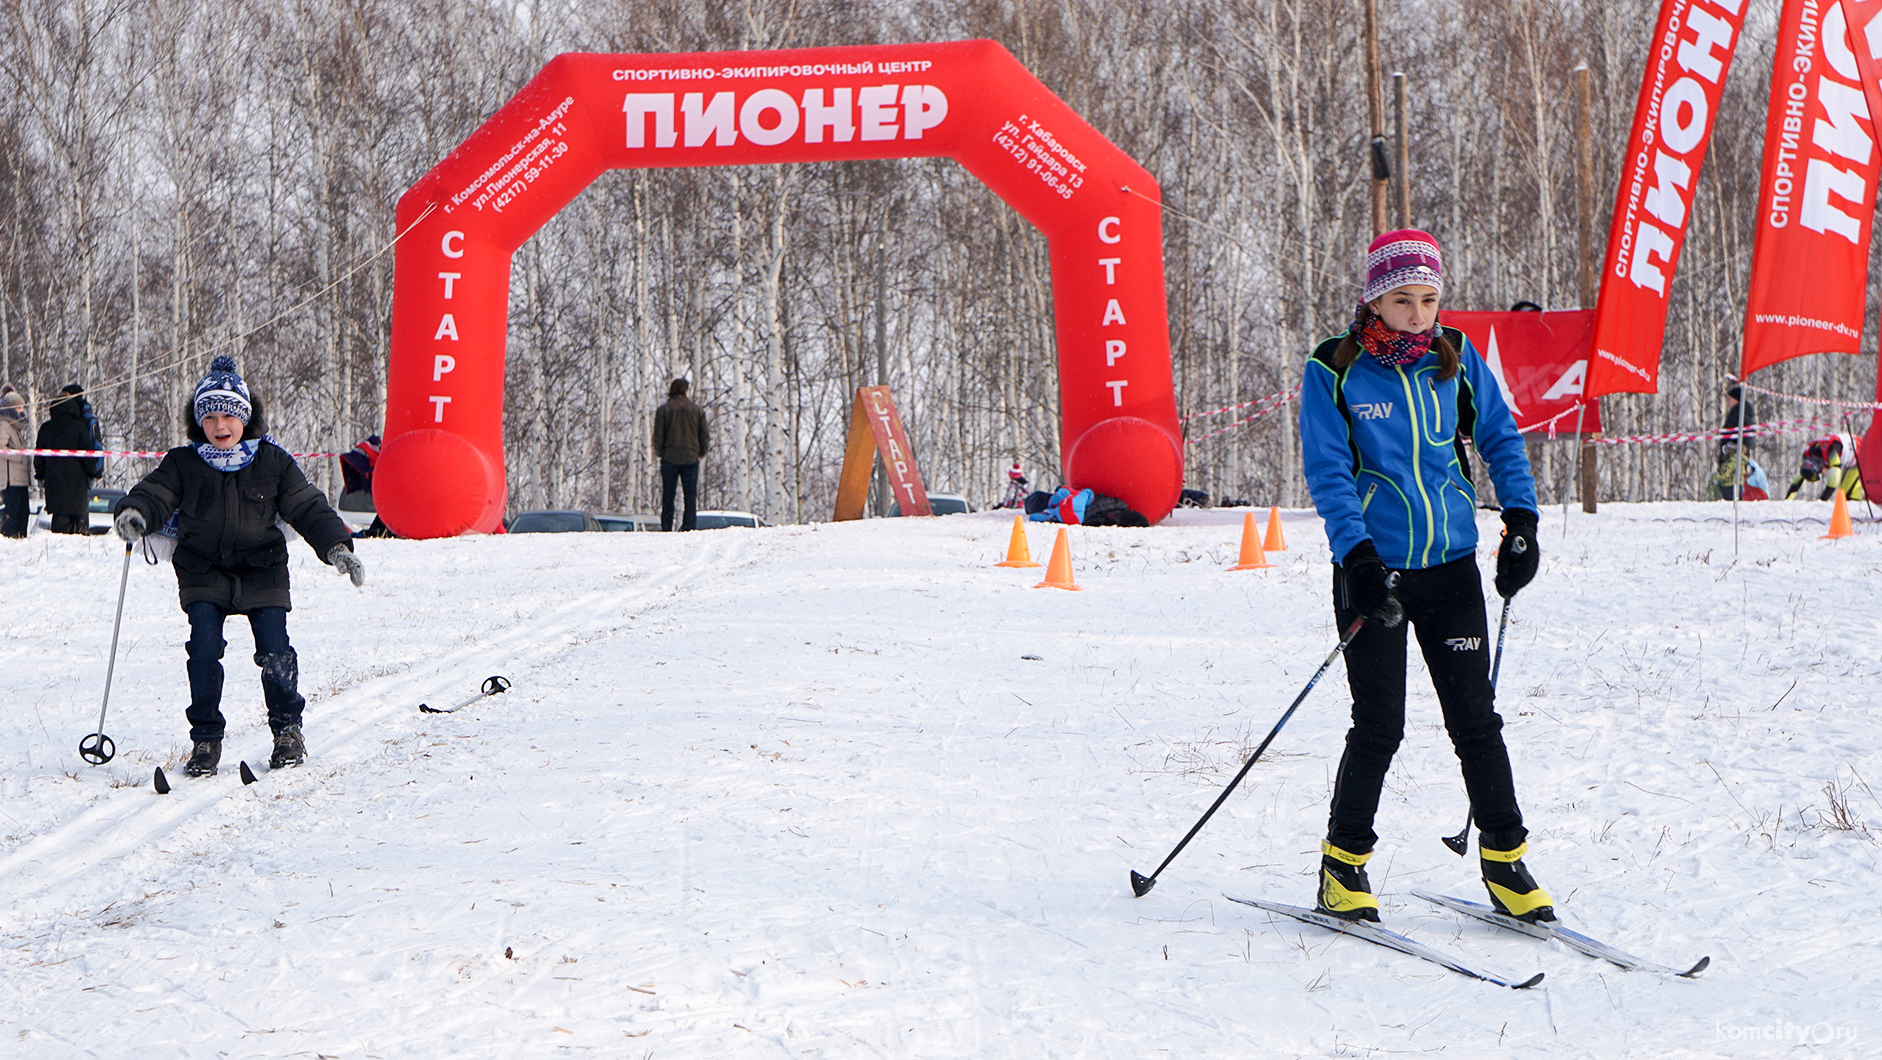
{"x": 231, "y": 459}
{"x": 1386, "y": 346}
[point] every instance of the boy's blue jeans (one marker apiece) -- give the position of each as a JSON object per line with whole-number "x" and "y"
{"x": 280, "y": 669}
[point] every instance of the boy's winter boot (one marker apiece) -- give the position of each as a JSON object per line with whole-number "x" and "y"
{"x": 1344, "y": 890}
{"x": 289, "y": 749}
{"x": 1512, "y": 889}
{"x": 203, "y": 759}
{"x": 280, "y": 689}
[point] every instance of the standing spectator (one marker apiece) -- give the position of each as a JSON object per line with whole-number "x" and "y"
{"x": 1735, "y": 443}
{"x": 68, "y": 479}
{"x": 16, "y": 472}
{"x": 356, "y": 468}
{"x": 1016, "y": 487}
{"x": 679, "y": 440}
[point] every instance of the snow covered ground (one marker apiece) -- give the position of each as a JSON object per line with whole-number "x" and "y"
{"x": 853, "y": 791}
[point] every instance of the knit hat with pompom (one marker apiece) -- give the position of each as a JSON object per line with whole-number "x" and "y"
{"x": 222, "y": 391}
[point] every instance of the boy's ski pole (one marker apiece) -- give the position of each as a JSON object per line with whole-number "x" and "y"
{"x": 492, "y": 685}
{"x": 98, "y": 748}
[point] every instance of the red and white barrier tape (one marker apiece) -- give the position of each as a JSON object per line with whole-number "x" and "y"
{"x": 1550, "y": 422}
{"x": 1290, "y": 392}
{"x": 152, "y": 453}
{"x": 1872, "y": 406}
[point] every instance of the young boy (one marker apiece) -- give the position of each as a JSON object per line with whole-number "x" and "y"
{"x": 225, "y": 493}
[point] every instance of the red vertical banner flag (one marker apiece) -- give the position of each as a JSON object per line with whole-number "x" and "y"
{"x": 1865, "y": 31}
{"x": 1810, "y": 257}
{"x": 1689, "y": 55}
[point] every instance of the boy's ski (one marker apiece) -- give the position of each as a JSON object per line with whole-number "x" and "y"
{"x": 162, "y": 783}
{"x": 1391, "y": 940}
{"x": 1555, "y": 930}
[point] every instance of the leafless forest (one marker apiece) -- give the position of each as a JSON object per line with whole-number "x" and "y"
{"x": 185, "y": 176}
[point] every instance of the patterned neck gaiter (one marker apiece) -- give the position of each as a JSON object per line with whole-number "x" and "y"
{"x": 1386, "y": 346}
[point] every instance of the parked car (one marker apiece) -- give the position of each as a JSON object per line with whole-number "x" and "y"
{"x": 940, "y": 504}
{"x": 356, "y": 519}
{"x": 553, "y": 522}
{"x": 717, "y": 520}
{"x": 99, "y": 505}
{"x": 618, "y": 522}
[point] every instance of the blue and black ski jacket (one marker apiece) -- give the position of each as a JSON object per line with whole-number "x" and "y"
{"x": 1379, "y": 446}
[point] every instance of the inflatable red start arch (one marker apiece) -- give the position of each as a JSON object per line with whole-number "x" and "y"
{"x": 441, "y": 469}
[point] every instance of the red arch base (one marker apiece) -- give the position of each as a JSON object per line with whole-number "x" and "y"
{"x": 441, "y": 470}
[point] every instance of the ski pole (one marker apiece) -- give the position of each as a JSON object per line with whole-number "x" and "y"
{"x": 1141, "y": 884}
{"x": 492, "y": 685}
{"x": 98, "y": 748}
{"x": 1461, "y": 841}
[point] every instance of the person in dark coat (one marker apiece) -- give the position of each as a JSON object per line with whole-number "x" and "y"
{"x": 679, "y": 440}
{"x": 1735, "y": 442}
{"x": 223, "y": 496}
{"x": 67, "y": 479}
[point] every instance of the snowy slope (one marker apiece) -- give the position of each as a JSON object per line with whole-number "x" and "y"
{"x": 797, "y": 792}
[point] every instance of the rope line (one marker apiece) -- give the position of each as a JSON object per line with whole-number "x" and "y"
{"x": 1872, "y": 406}
{"x": 1295, "y": 389}
{"x": 270, "y": 322}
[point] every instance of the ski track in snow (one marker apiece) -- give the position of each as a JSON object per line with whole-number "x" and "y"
{"x": 795, "y": 792}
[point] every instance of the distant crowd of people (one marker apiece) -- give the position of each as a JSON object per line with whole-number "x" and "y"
{"x": 65, "y": 480}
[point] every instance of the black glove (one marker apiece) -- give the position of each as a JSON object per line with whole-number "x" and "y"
{"x": 130, "y": 525}
{"x": 1518, "y": 556}
{"x": 1369, "y": 586}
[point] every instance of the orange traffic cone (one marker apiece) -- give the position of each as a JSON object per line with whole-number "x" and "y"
{"x": 1017, "y": 552}
{"x": 1839, "y": 518}
{"x": 1059, "y": 570}
{"x": 1274, "y": 542}
{"x": 1252, "y": 557}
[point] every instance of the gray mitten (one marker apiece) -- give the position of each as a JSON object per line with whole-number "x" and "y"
{"x": 130, "y": 525}
{"x": 346, "y": 563}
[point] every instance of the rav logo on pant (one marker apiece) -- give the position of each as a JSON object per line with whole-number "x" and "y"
{"x": 1464, "y": 643}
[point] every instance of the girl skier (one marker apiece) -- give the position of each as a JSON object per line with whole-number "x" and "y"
{"x": 225, "y": 494}
{"x": 1383, "y": 407}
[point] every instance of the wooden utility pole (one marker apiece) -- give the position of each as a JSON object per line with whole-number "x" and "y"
{"x": 1404, "y": 151}
{"x": 1585, "y": 249}
{"x": 1375, "y": 113}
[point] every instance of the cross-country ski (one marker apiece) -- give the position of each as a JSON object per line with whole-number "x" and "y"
{"x": 1391, "y": 940}
{"x": 1554, "y": 929}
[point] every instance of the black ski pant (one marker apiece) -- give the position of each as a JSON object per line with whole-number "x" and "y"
{"x": 686, "y": 476}
{"x": 280, "y": 668}
{"x": 1444, "y": 607}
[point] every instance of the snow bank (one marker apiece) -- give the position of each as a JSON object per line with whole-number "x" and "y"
{"x": 799, "y": 792}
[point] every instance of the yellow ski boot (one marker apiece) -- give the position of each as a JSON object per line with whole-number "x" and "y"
{"x": 1344, "y": 890}
{"x": 1512, "y": 889}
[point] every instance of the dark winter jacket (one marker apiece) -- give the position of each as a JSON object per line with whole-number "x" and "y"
{"x": 229, "y": 552}
{"x": 67, "y": 478}
{"x": 679, "y": 431}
